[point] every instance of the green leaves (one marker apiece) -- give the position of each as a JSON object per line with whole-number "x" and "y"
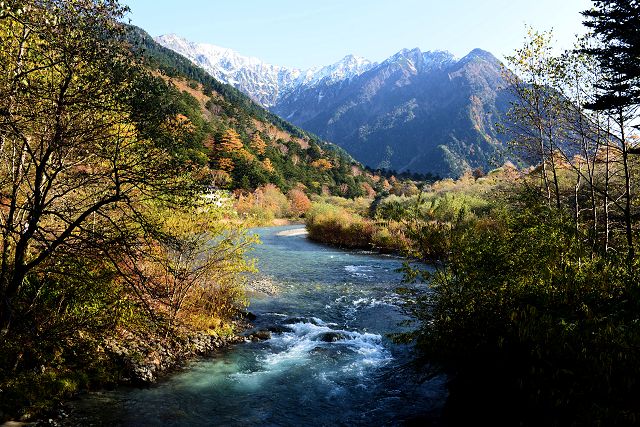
{"x": 526, "y": 301}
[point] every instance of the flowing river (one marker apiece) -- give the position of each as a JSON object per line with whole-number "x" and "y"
{"x": 329, "y": 361}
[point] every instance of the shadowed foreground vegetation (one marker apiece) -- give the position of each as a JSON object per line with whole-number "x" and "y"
{"x": 534, "y": 322}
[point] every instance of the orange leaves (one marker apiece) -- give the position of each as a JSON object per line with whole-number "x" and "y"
{"x": 179, "y": 124}
{"x": 299, "y": 201}
{"x": 322, "y": 164}
{"x": 230, "y": 141}
{"x": 258, "y": 145}
{"x": 368, "y": 190}
{"x": 226, "y": 164}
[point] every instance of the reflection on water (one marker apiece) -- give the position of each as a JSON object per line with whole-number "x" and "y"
{"x": 329, "y": 360}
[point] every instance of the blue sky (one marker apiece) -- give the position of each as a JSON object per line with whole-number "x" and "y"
{"x": 299, "y": 33}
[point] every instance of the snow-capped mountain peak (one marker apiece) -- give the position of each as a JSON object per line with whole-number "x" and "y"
{"x": 265, "y": 83}
{"x": 251, "y": 75}
{"x": 348, "y": 67}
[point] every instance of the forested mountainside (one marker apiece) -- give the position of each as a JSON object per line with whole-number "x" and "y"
{"x": 247, "y": 145}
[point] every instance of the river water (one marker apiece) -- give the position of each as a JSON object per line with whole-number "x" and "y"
{"x": 330, "y": 360}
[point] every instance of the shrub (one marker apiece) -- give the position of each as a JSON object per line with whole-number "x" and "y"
{"x": 263, "y": 205}
{"x": 523, "y": 308}
{"x": 335, "y": 225}
{"x": 299, "y": 202}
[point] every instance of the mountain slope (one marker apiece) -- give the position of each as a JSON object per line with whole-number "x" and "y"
{"x": 424, "y": 112}
{"x": 248, "y": 146}
{"x": 416, "y": 111}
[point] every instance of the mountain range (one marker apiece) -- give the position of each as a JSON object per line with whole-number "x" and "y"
{"x": 265, "y": 83}
{"x": 418, "y": 111}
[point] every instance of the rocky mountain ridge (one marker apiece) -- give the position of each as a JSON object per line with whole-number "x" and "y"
{"x": 263, "y": 82}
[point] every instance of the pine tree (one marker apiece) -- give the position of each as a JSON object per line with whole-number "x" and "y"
{"x": 616, "y": 26}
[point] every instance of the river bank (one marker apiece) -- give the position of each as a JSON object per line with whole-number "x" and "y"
{"x": 143, "y": 359}
{"x": 134, "y": 359}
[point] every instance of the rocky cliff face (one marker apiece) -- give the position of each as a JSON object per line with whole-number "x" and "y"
{"x": 418, "y": 111}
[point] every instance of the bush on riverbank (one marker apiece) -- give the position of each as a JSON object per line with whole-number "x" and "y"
{"x": 416, "y": 225}
{"x": 533, "y": 325}
{"x": 267, "y": 204}
{"x": 336, "y": 226}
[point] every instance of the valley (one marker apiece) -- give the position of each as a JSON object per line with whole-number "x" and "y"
{"x": 193, "y": 236}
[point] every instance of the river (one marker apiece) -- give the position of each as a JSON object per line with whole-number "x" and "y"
{"x": 329, "y": 361}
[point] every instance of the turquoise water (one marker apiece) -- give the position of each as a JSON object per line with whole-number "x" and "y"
{"x": 329, "y": 360}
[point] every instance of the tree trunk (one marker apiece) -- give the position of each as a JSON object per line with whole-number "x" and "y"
{"x": 607, "y": 177}
{"x": 543, "y": 159}
{"x": 576, "y": 199}
{"x": 627, "y": 192}
{"x": 6, "y": 308}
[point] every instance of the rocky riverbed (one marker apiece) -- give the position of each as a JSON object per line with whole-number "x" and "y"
{"x": 142, "y": 360}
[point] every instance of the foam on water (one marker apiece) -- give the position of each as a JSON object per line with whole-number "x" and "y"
{"x": 328, "y": 361}
{"x": 359, "y": 270}
{"x": 308, "y": 337}
{"x": 390, "y": 300}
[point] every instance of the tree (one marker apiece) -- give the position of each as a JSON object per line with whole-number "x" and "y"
{"x": 198, "y": 263}
{"x": 616, "y": 26}
{"x": 322, "y": 164}
{"x": 268, "y": 166}
{"x": 75, "y": 146}
{"x": 588, "y": 146}
{"x": 299, "y": 201}
{"x": 258, "y": 145}
{"x": 535, "y": 113}
{"x": 230, "y": 141}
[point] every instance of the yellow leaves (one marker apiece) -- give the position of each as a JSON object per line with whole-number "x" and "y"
{"x": 220, "y": 178}
{"x": 266, "y": 201}
{"x": 266, "y": 164}
{"x": 179, "y": 125}
{"x": 246, "y": 155}
{"x": 199, "y": 264}
{"x": 258, "y": 145}
{"x": 123, "y": 129}
{"x": 322, "y": 164}
{"x": 230, "y": 141}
